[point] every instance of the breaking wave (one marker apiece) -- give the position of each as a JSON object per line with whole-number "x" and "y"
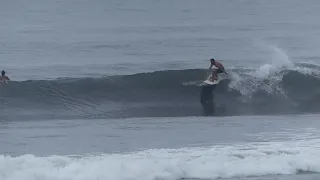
{"x": 220, "y": 161}
{"x": 293, "y": 88}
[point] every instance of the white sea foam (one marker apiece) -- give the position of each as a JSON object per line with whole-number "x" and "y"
{"x": 268, "y": 76}
{"x": 279, "y": 60}
{"x": 223, "y": 161}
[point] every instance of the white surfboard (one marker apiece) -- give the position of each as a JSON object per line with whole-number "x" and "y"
{"x": 211, "y": 82}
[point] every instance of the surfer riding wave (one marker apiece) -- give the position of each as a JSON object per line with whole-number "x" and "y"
{"x": 220, "y": 69}
{"x": 206, "y": 95}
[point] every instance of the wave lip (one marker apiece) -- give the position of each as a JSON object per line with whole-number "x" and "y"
{"x": 246, "y": 160}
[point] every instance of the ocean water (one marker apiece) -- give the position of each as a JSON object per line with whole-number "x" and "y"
{"x": 111, "y": 89}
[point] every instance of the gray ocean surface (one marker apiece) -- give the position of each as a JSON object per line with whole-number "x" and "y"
{"x": 110, "y": 90}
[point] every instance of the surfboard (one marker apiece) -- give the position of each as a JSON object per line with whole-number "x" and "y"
{"x": 211, "y": 82}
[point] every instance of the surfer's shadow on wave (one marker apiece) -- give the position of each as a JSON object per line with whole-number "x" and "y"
{"x": 208, "y": 100}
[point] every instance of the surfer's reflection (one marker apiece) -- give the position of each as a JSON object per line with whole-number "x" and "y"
{"x": 206, "y": 99}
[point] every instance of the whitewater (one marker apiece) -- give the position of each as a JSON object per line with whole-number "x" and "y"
{"x": 187, "y": 163}
{"x": 111, "y": 90}
{"x": 248, "y": 147}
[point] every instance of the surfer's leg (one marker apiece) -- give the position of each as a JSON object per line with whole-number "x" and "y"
{"x": 219, "y": 71}
{"x": 214, "y": 75}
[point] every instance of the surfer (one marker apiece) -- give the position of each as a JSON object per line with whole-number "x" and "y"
{"x": 206, "y": 94}
{"x": 3, "y": 77}
{"x": 220, "y": 69}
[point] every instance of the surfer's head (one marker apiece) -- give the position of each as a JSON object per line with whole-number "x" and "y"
{"x": 3, "y": 73}
{"x": 212, "y": 60}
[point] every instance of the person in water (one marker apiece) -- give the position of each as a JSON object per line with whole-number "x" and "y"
{"x": 220, "y": 69}
{"x": 3, "y": 77}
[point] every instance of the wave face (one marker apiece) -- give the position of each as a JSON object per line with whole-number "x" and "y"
{"x": 221, "y": 161}
{"x": 266, "y": 90}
